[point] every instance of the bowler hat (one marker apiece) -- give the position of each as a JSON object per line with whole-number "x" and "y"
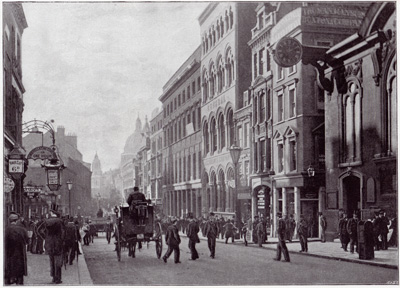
{"x": 212, "y": 214}
{"x": 279, "y": 214}
{"x": 13, "y": 216}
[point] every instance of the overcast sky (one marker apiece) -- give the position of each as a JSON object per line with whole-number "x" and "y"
{"x": 94, "y": 67}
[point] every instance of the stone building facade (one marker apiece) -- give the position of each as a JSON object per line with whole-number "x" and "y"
{"x": 14, "y": 24}
{"x": 156, "y": 145}
{"x": 361, "y": 119}
{"x": 181, "y": 154}
{"x": 225, "y": 60}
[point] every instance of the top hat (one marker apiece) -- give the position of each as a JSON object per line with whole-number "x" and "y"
{"x": 135, "y": 188}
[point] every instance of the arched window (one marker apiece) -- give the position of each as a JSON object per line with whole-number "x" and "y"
{"x": 221, "y": 75}
{"x": 390, "y": 111}
{"x": 222, "y": 28}
{"x": 217, "y": 30}
{"x": 229, "y": 67}
{"x": 226, "y": 21}
{"x": 212, "y": 81}
{"x": 351, "y": 111}
{"x": 230, "y": 18}
{"x": 221, "y": 126}
{"x": 206, "y": 137}
{"x": 231, "y": 128}
{"x": 213, "y": 129}
{"x": 262, "y": 107}
{"x": 205, "y": 86}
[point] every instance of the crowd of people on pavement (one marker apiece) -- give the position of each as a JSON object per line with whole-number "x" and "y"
{"x": 57, "y": 236}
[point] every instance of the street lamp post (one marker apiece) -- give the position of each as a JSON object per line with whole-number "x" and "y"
{"x": 69, "y": 185}
{"x": 235, "y": 154}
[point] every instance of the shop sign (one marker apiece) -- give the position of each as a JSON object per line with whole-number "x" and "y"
{"x": 8, "y": 184}
{"x": 261, "y": 199}
{"x": 16, "y": 166}
{"x": 53, "y": 177}
{"x": 32, "y": 191}
{"x": 42, "y": 152}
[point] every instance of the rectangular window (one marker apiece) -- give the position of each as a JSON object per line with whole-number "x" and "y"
{"x": 199, "y": 162}
{"x": 293, "y": 153}
{"x": 292, "y": 103}
{"x": 268, "y": 61}
{"x": 262, "y": 108}
{"x": 188, "y": 168}
{"x": 292, "y": 69}
{"x": 262, "y": 155}
{"x": 280, "y": 157}
{"x": 188, "y": 118}
{"x": 175, "y": 106}
{"x": 188, "y": 92}
{"x": 246, "y": 134}
{"x": 279, "y": 72}
{"x": 255, "y": 154}
{"x": 255, "y": 66}
{"x": 261, "y": 21}
{"x": 183, "y": 97}
{"x": 261, "y": 61}
{"x": 198, "y": 84}
{"x": 280, "y": 107}
{"x": 194, "y": 119}
{"x": 194, "y": 166}
{"x": 193, "y": 87}
{"x": 179, "y": 100}
{"x": 240, "y": 136}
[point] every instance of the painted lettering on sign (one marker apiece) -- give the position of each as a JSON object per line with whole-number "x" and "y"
{"x": 16, "y": 166}
{"x": 331, "y": 21}
{"x": 53, "y": 177}
{"x": 333, "y": 11}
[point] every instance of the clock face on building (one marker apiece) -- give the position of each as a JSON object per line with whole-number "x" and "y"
{"x": 288, "y": 52}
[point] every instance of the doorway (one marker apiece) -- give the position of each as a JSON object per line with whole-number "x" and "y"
{"x": 351, "y": 194}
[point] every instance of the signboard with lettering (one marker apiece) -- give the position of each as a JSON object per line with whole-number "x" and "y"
{"x": 16, "y": 166}
{"x": 8, "y": 184}
{"x": 32, "y": 191}
{"x": 42, "y": 152}
{"x": 52, "y": 177}
{"x": 261, "y": 199}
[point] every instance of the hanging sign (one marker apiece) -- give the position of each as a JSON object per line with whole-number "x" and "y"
{"x": 42, "y": 152}
{"x": 16, "y": 166}
{"x": 261, "y": 199}
{"x": 8, "y": 184}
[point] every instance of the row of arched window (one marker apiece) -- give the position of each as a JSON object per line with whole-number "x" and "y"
{"x": 218, "y": 133}
{"x": 217, "y": 31}
{"x": 218, "y": 77}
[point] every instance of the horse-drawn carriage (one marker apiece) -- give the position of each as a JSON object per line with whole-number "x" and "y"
{"x": 136, "y": 224}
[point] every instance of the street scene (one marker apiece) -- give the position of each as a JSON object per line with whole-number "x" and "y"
{"x": 200, "y": 143}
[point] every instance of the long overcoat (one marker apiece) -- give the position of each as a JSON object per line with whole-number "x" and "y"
{"x": 16, "y": 238}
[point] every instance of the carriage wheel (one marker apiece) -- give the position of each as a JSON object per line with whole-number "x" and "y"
{"x": 158, "y": 237}
{"x": 118, "y": 243}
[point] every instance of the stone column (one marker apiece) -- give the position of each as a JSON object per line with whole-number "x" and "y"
{"x": 296, "y": 207}
{"x": 173, "y": 203}
{"x": 196, "y": 198}
{"x": 218, "y": 204}
{"x": 192, "y": 193}
{"x": 284, "y": 201}
{"x": 275, "y": 209}
{"x": 211, "y": 204}
{"x": 227, "y": 204}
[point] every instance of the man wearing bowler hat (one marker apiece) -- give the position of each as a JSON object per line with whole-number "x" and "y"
{"x": 383, "y": 228}
{"x": 211, "y": 232}
{"x": 16, "y": 238}
{"x": 281, "y": 246}
{"x": 54, "y": 243}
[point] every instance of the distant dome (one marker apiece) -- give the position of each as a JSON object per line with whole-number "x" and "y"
{"x": 96, "y": 166}
{"x": 135, "y": 141}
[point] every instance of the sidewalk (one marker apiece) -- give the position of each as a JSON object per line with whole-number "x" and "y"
{"x": 39, "y": 272}
{"x": 330, "y": 250}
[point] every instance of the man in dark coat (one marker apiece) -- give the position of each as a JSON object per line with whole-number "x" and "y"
{"x": 173, "y": 240}
{"x": 211, "y": 232}
{"x": 352, "y": 230}
{"x": 302, "y": 230}
{"x": 192, "y": 230}
{"x": 229, "y": 231}
{"x": 16, "y": 239}
{"x": 254, "y": 228}
{"x": 260, "y": 230}
{"x": 383, "y": 229}
{"x": 54, "y": 244}
{"x": 281, "y": 246}
{"x": 343, "y": 234}
{"x": 109, "y": 229}
{"x": 290, "y": 227}
{"x": 70, "y": 240}
{"x": 135, "y": 196}
{"x": 323, "y": 225}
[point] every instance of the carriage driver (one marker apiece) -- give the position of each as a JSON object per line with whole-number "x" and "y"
{"x": 133, "y": 197}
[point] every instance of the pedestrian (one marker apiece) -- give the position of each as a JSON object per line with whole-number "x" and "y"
{"x": 254, "y": 230}
{"x": 323, "y": 225}
{"x": 376, "y": 228}
{"x": 221, "y": 227}
{"x": 343, "y": 234}
{"x": 70, "y": 241}
{"x": 302, "y": 230}
{"x": 54, "y": 244}
{"x": 173, "y": 240}
{"x": 109, "y": 229}
{"x": 192, "y": 230}
{"x": 244, "y": 232}
{"x": 281, "y": 246}
{"x": 352, "y": 230}
{"x": 86, "y": 229}
{"x": 211, "y": 232}
{"x": 290, "y": 227}
{"x": 383, "y": 229}
{"x": 16, "y": 239}
{"x": 229, "y": 229}
{"x": 260, "y": 230}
